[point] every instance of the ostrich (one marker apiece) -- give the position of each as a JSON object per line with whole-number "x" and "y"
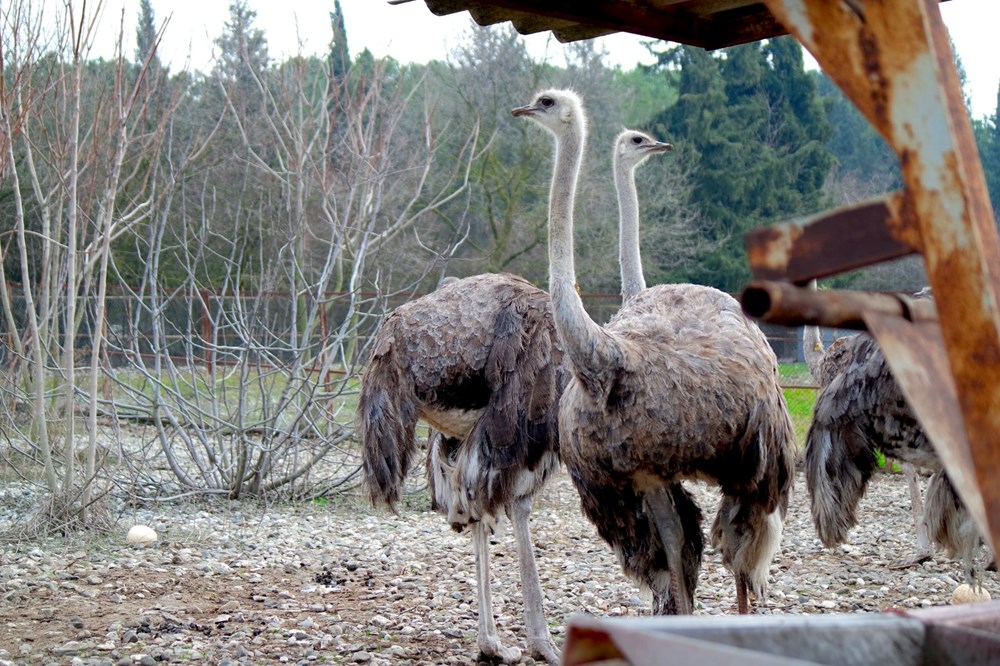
{"x": 825, "y": 364}
{"x": 863, "y": 409}
{"x": 678, "y": 385}
{"x": 631, "y": 148}
{"x": 479, "y": 361}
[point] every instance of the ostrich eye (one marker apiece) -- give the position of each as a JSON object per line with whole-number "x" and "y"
{"x": 637, "y": 140}
{"x": 546, "y": 102}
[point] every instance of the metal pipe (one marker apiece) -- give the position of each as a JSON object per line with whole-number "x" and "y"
{"x": 784, "y": 303}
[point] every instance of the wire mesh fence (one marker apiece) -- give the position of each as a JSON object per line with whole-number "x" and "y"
{"x": 269, "y": 371}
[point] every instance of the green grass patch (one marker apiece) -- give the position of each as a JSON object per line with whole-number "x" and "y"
{"x": 800, "y": 407}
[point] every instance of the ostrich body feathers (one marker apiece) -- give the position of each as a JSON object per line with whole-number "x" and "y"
{"x": 861, "y": 410}
{"x": 479, "y": 360}
{"x": 694, "y": 396}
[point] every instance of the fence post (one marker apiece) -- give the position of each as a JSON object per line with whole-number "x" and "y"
{"x": 206, "y": 332}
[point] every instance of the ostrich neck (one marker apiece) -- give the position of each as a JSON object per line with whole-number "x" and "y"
{"x": 812, "y": 344}
{"x": 629, "y": 258}
{"x": 812, "y": 349}
{"x": 590, "y": 349}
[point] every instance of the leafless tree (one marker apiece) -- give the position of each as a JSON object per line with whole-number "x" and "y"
{"x": 251, "y": 391}
{"x": 65, "y": 156}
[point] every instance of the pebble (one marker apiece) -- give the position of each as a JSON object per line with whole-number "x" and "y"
{"x": 403, "y": 587}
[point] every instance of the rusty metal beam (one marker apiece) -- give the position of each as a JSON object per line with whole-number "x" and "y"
{"x": 785, "y": 304}
{"x": 893, "y": 60}
{"x": 832, "y": 242}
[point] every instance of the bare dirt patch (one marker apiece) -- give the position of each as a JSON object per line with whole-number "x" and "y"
{"x": 239, "y": 583}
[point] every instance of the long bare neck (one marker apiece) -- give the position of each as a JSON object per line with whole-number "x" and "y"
{"x": 812, "y": 349}
{"x": 590, "y": 349}
{"x": 629, "y": 257}
{"x": 812, "y": 344}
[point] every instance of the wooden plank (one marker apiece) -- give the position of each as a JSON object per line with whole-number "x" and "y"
{"x": 849, "y": 640}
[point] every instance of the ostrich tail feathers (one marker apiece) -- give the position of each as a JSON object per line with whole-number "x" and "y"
{"x": 948, "y": 522}
{"x": 748, "y": 537}
{"x": 387, "y": 416}
{"x": 838, "y": 466}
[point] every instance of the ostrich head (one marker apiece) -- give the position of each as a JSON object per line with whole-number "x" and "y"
{"x": 633, "y": 147}
{"x": 558, "y": 111}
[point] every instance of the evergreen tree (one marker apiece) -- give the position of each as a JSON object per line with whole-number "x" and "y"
{"x": 242, "y": 49}
{"x": 340, "y": 56}
{"x": 145, "y": 34}
{"x": 855, "y": 145}
{"x": 750, "y": 125}
{"x": 989, "y": 151}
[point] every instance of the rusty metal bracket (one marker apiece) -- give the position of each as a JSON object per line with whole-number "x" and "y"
{"x": 832, "y": 242}
{"x": 893, "y": 60}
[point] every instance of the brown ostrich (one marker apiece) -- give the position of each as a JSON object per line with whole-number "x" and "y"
{"x": 479, "y": 361}
{"x": 860, "y": 411}
{"x": 678, "y": 385}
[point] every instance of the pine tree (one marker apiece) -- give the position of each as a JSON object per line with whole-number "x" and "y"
{"x": 242, "y": 48}
{"x": 340, "y": 56}
{"x": 145, "y": 34}
{"x": 989, "y": 151}
{"x": 750, "y": 124}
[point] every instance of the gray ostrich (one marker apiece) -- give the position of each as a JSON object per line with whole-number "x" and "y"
{"x": 825, "y": 364}
{"x": 479, "y": 361}
{"x": 631, "y": 148}
{"x": 863, "y": 409}
{"x": 678, "y": 385}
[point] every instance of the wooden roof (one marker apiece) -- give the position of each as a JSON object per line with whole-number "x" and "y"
{"x": 710, "y": 24}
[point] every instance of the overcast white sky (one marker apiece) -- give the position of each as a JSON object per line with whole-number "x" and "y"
{"x": 410, "y": 33}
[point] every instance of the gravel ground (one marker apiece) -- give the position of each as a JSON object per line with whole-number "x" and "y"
{"x": 240, "y": 583}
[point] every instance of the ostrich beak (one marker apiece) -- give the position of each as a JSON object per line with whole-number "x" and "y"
{"x": 524, "y": 110}
{"x": 661, "y": 147}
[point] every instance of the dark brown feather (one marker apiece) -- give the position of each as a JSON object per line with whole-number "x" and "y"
{"x": 861, "y": 411}
{"x": 695, "y": 397}
{"x": 479, "y": 360}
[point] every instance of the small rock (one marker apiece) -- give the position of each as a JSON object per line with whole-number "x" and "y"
{"x": 361, "y": 657}
{"x": 72, "y": 647}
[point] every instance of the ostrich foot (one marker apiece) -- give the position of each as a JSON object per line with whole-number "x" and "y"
{"x": 490, "y": 650}
{"x": 544, "y": 649}
{"x": 917, "y": 558}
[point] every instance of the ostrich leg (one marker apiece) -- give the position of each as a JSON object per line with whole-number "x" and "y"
{"x": 924, "y": 550}
{"x": 742, "y": 600}
{"x": 540, "y": 643}
{"x": 489, "y": 641}
{"x": 668, "y": 524}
